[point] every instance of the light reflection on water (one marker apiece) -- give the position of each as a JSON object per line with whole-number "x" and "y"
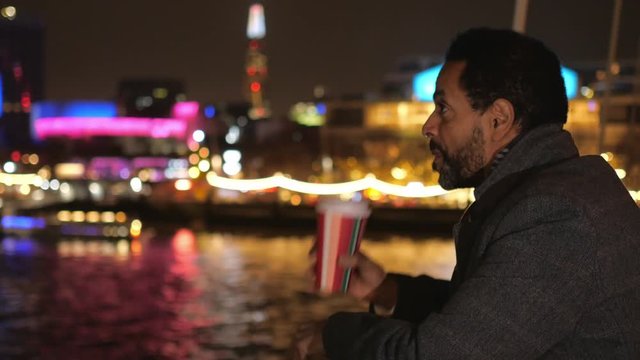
{"x": 210, "y": 296}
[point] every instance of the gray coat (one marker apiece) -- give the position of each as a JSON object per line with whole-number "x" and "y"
{"x": 551, "y": 271}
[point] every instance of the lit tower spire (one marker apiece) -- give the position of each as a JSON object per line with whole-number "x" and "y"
{"x": 256, "y": 63}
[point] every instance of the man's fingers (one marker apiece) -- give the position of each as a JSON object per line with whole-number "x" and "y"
{"x": 310, "y": 280}
{"x": 311, "y": 270}
{"x": 356, "y": 260}
{"x": 349, "y": 261}
{"x": 314, "y": 247}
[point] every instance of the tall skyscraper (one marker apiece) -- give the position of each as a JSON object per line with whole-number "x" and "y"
{"x": 256, "y": 72}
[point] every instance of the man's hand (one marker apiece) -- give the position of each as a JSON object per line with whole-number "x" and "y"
{"x": 366, "y": 275}
{"x": 308, "y": 342}
{"x": 368, "y": 281}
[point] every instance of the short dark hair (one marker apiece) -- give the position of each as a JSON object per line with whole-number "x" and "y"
{"x": 506, "y": 64}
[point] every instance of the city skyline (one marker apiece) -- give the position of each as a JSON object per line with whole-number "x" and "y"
{"x": 345, "y": 47}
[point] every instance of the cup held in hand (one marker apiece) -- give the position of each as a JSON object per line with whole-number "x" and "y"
{"x": 340, "y": 228}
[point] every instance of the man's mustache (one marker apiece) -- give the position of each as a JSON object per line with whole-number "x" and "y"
{"x": 434, "y": 146}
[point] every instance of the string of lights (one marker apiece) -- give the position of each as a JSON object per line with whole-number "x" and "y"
{"x": 413, "y": 189}
{"x": 410, "y": 190}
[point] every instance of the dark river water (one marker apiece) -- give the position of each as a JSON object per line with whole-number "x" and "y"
{"x": 182, "y": 295}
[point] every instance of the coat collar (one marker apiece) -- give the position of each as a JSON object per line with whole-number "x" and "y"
{"x": 539, "y": 146}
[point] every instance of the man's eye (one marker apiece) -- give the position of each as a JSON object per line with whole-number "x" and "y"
{"x": 441, "y": 108}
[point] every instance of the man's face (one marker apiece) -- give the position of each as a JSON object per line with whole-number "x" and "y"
{"x": 455, "y": 131}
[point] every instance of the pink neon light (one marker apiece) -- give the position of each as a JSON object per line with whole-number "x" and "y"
{"x": 150, "y": 162}
{"x": 109, "y": 168}
{"x": 114, "y": 163}
{"x": 81, "y": 127}
{"x": 186, "y": 109}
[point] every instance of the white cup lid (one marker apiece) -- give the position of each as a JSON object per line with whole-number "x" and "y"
{"x": 350, "y": 208}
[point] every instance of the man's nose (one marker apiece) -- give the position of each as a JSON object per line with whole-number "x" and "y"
{"x": 429, "y": 128}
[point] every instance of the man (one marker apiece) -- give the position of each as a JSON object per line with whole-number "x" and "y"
{"x": 548, "y": 257}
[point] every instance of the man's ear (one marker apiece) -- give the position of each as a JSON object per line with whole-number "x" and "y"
{"x": 503, "y": 120}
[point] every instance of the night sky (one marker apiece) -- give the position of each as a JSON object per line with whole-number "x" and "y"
{"x": 345, "y": 45}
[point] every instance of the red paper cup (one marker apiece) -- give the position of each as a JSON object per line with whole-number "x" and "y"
{"x": 340, "y": 228}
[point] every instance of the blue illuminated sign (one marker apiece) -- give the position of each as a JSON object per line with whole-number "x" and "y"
{"x": 46, "y": 109}
{"x": 424, "y": 83}
{"x": 321, "y": 108}
{"x": 570, "y": 82}
{"x": 22, "y": 222}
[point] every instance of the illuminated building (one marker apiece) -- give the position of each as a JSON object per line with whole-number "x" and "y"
{"x": 93, "y": 128}
{"x": 21, "y": 76}
{"x": 256, "y": 70}
{"x": 398, "y": 84}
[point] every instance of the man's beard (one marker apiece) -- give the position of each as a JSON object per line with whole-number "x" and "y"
{"x": 462, "y": 169}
